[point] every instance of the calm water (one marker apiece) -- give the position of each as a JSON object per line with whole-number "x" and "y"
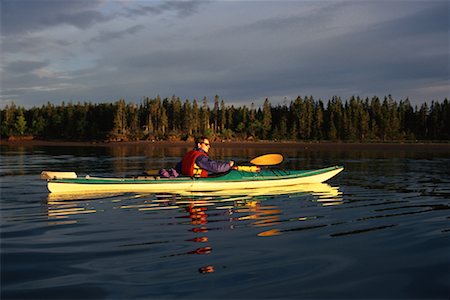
{"x": 378, "y": 230}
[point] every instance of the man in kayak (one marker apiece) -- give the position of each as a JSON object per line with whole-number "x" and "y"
{"x": 196, "y": 162}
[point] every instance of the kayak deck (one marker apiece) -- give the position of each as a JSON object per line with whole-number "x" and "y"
{"x": 229, "y": 181}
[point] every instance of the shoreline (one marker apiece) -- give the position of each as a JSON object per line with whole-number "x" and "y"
{"x": 444, "y": 146}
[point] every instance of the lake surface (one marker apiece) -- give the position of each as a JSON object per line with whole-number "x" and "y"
{"x": 380, "y": 229}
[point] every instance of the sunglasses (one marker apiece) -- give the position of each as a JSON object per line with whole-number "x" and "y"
{"x": 206, "y": 144}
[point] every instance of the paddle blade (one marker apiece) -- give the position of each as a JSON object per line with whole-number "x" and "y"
{"x": 267, "y": 160}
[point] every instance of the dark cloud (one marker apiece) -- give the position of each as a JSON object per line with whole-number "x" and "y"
{"x": 83, "y": 19}
{"x": 21, "y": 67}
{"x": 32, "y": 45}
{"x": 106, "y": 36}
{"x": 25, "y": 16}
{"x": 316, "y": 19}
{"x": 322, "y": 49}
{"x": 190, "y": 60}
{"x": 180, "y": 8}
{"x": 433, "y": 19}
{"x": 375, "y": 59}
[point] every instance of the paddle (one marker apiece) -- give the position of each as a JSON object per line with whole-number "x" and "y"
{"x": 267, "y": 160}
{"x": 260, "y": 161}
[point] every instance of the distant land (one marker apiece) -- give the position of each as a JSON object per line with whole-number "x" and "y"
{"x": 302, "y": 119}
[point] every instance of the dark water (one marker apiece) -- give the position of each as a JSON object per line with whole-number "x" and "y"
{"x": 378, "y": 230}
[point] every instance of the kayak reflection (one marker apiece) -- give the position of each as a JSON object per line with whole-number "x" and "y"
{"x": 62, "y": 206}
{"x": 199, "y": 219}
{"x": 204, "y": 216}
{"x": 319, "y": 189}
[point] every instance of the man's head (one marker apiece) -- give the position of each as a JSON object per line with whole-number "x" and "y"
{"x": 202, "y": 143}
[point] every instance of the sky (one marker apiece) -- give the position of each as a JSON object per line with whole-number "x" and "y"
{"x": 243, "y": 51}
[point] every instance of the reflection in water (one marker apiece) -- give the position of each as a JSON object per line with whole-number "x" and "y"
{"x": 59, "y": 211}
{"x": 196, "y": 203}
{"x": 199, "y": 217}
{"x": 239, "y": 208}
{"x": 395, "y": 210}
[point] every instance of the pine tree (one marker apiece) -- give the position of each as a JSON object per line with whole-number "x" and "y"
{"x": 253, "y": 123}
{"x": 422, "y": 128}
{"x": 377, "y": 126}
{"x": 176, "y": 115}
{"x": 188, "y": 122}
{"x": 149, "y": 120}
{"x": 363, "y": 120}
{"x": 21, "y": 123}
{"x": 407, "y": 122}
{"x": 8, "y": 120}
{"x": 133, "y": 117}
{"x": 230, "y": 114}
{"x": 195, "y": 117}
{"x": 223, "y": 116}
{"x": 38, "y": 123}
{"x": 204, "y": 112}
{"x": 267, "y": 119}
{"x": 120, "y": 121}
{"x": 318, "y": 120}
{"x": 216, "y": 114}
{"x": 163, "y": 121}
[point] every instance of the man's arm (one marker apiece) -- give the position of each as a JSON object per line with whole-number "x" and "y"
{"x": 212, "y": 166}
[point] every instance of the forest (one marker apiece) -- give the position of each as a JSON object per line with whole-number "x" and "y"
{"x": 300, "y": 119}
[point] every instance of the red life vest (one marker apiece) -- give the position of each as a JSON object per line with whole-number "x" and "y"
{"x": 189, "y": 167}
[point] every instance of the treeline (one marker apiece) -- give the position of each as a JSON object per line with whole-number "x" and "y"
{"x": 304, "y": 118}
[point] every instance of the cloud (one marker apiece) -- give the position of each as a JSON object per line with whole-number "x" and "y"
{"x": 23, "y": 66}
{"x": 106, "y": 36}
{"x": 373, "y": 57}
{"x": 308, "y": 17}
{"x": 23, "y": 17}
{"x": 180, "y": 8}
{"x": 429, "y": 20}
{"x": 240, "y": 50}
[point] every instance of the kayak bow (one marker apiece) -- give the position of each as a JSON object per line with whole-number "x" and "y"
{"x": 57, "y": 182}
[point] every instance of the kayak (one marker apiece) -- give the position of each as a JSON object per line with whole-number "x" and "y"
{"x": 70, "y": 182}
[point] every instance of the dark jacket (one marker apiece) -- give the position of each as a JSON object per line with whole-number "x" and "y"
{"x": 205, "y": 163}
